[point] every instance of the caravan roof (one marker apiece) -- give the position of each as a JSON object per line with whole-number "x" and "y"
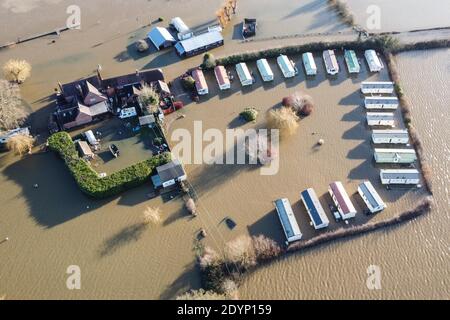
{"x": 373, "y": 61}
{"x": 377, "y": 87}
{"x": 331, "y": 62}
{"x": 286, "y": 66}
{"x": 200, "y": 81}
{"x": 199, "y": 42}
{"x": 314, "y": 209}
{"x": 352, "y": 61}
{"x": 287, "y": 219}
{"x": 309, "y": 63}
{"x": 342, "y": 200}
{"x": 179, "y": 25}
{"x": 371, "y": 197}
{"x": 222, "y": 77}
{"x": 244, "y": 74}
{"x": 264, "y": 69}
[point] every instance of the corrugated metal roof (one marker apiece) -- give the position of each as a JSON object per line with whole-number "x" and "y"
{"x": 159, "y": 36}
{"x": 199, "y": 41}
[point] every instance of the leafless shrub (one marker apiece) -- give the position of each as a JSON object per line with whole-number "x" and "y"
{"x": 20, "y": 144}
{"x": 283, "y": 119}
{"x": 265, "y": 248}
{"x": 230, "y": 289}
{"x": 241, "y": 251}
{"x": 142, "y": 45}
{"x": 12, "y": 112}
{"x": 152, "y": 216}
{"x": 209, "y": 258}
{"x": 191, "y": 207}
{"x": 17, "y": 70}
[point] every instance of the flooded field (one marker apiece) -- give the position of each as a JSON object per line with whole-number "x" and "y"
{"x": 405, "y": 254}
{"x": 54, "y": 226}
{"x": 403, "y": 15}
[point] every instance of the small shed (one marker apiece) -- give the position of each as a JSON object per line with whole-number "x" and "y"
{"x": 169, "y": 174}
{"x": 265, "y": 70}
{"x": 381, "y": 119}
{"x": 390, "y": 136}
{"x": 200, "y": 82}
{"x": 161, "y": 38}
{"x": 405, "y": 156}
{"x": 399, "y": 176}
{"x": 85, "y": 150}
{"x": 287, "y": 66}
{"x": 222, "y": 78}
{"x": 309, "y": 64}
{"x": 373, "y": 61}
{"x": 244, "y": 74}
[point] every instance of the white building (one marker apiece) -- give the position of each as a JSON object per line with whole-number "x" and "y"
{"x": 287, "y": 66}
{"x": 381, "y": 119}
{"x": 331, "y": 62}
{"x": 390, "y": 136}
{"x": 265, "y": 70}
{"x": 405, "y": 156}
{"x": 161, "y": 38}
{"x": 381, "y": 87}
{"x": 244, "y": 74}
{"x": 288, "y": 220}
{"x": 309, "y": 64}
{"x": 373, "y": 61}
{"x": 388, "y": 103}
{"x": 371, "y": 197}
{"x": 402, "y": 176}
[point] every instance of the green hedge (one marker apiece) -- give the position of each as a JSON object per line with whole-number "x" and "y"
{"x": 88, "y": 179}
{"x": 377, "y": 42}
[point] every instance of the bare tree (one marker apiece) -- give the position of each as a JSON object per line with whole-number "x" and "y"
{"x": 12, "y": 112}
{"x": 241, "y": 251}
{"x": 284, "y": 119}
{"x": 20, "y": 144}
{"x": 201, "y": 294}
{"x": 17, "y": 70}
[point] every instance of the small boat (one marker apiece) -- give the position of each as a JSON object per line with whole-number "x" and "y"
{"x": 249, "y": 28}
{"x": 114, "y": 150}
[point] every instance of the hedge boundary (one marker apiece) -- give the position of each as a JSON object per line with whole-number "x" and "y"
{"x": 88, "y": 179}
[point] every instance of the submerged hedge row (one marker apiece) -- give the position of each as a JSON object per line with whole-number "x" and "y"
{"x": 87, "y": 178}
{"x": 370, "y": 43}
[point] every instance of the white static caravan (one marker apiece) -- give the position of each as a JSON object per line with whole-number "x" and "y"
{"x": 222, "y": 78}
{"x": 342, "y": 200}
{"x": 315, "y": 210}
{"x": 309, "y": 63}
{"x": 405, "y": 156}
{"x": 381, "y": 87}
{"x": 381, "y": 119}
{"x": 402, "y": 176}
{"x": 373, "y": 61}
{"x": 371, "y": 197}
{"x": 265, "y": 70}
{"x": 244, "y": 74}
{"x": 183, "y": 30}
{"x": 288, "y": 221}
{"x": 389, "y": 103}
{"x": 90, "y": 137}
{"x": 331, "y": 62}
{"x": 200, "y": 82}
{"x": 287, "y": 66}
{"x": 390, "y": 136}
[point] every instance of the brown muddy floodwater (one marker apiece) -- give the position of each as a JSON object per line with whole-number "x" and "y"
{"x": 414, "y": 258}
{"x": 55, "y": 226}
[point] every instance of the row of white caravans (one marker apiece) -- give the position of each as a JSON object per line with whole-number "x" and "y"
{"x": 290, "y": 70}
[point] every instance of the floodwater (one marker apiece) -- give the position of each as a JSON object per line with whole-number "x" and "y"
{"x": 54, "y": 226}
{"x": 414, "y": 258}
{"x": 401, "y": 15}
